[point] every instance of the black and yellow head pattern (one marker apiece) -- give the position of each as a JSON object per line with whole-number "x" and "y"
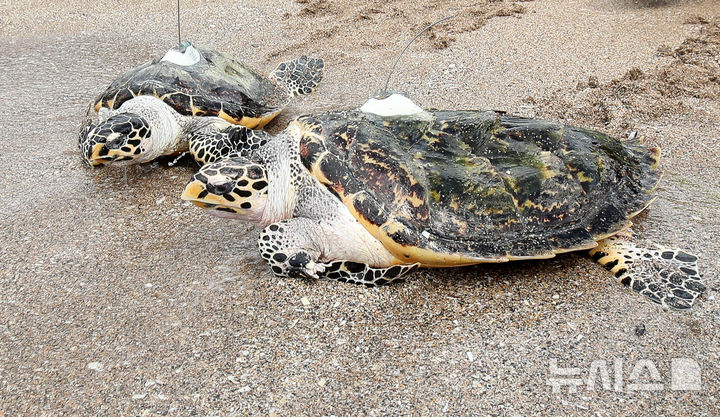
{"x": 122, "y": 137}
{"x": 233, "y": 187}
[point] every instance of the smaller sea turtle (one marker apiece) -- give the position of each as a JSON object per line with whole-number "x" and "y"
{"x": 155, "y": 109}
{"x": 365, "y": 196}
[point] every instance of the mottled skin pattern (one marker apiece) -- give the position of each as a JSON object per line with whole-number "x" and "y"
{"x": 666, "y": 276}
{"x": 450, "y": 188}
{"x": 210, "y": 144}
{"x": 218, "y": 88}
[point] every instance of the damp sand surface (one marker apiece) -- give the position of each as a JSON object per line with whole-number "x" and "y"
{"x": 116, "y": 298}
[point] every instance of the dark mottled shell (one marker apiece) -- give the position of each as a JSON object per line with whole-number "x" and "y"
{"x": 461, "y": 187}
{"x": 218, "y": 85}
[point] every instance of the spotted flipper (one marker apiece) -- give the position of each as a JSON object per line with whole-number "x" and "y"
{"x": 666, "y": 276}
{"x": 300, "y": 76}
{"x": 358, "y": 273}
{"x": 290, "y": 248}
{"x": 211, "y": 141}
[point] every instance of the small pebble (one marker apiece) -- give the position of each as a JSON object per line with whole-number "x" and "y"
{"x": 305, "y": 301}
{"x": 95, "y": 366}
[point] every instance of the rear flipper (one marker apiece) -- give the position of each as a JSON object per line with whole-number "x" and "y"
{"x": 300, "y": 76}
{"x": 212, "y": 140}
{"x": 666, "y": 276}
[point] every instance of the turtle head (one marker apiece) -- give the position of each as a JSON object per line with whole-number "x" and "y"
{"x": 234, "y": 187}
{"x": 122, "y": 137}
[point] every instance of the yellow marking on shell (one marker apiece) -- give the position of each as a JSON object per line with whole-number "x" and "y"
{"x": 370, "y": 160}
{"x": 532, "y": 204}
{"x": 492, "y": 210}
{"x": 317, "y": 172}
{"x": 512, "y": 182}
{"x": 166, "y": 95}
{"x": 454, "y": 204}
{"x": 435, "y": 196}
{"x": 97, "y": 106}
{"x": 196, "y": 111}
{"x": 249, "y": 122}
{"x": 582, "y": 178}
{"x": 546, "y": 172}
{"x": 393, "y": 226}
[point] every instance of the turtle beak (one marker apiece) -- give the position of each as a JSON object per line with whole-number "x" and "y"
{"x": 195, "y": 192}
{"x": 104, "y": 154}
{"x": 100, "y": 155}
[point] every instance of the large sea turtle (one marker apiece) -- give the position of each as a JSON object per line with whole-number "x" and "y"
{"x": 154, "y": 109}
{"x": 365, "y": 195}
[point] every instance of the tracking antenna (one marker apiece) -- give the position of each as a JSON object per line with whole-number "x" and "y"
{"x": 178, "y": 23}
{"x": 387, "y": 82}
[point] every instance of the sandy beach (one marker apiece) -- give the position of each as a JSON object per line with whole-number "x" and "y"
{"x": 118, "y": 298}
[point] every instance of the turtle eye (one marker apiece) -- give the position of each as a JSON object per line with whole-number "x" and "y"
{"x": 232, "y": 171}
{"x": 116, "y": 140}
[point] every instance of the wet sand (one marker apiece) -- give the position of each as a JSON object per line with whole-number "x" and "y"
{"x": 116, "y": 298}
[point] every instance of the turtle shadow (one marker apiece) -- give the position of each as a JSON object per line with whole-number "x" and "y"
{"x": 513, "y": 287}
{"x": 644, "y": 4}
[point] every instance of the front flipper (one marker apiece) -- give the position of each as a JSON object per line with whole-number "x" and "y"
{"x": 666, "y": 276}
{"x": 211, "y": 141}
{"x": 292, "y": 248}
{"x": 300, "y": 76}
{"x": 363, "y": 274}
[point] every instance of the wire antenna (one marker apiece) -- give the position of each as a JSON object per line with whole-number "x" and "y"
{"x": 392, "y": 70}
{"x": 178, "y": 22}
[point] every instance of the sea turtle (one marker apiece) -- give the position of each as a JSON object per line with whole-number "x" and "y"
{"x": 153, "y": 110}
{"x": 366, "y": 195}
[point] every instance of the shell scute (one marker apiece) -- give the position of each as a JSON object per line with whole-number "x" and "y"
{"x": 461, "y": 187}
{"x": 217, "y": 85}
